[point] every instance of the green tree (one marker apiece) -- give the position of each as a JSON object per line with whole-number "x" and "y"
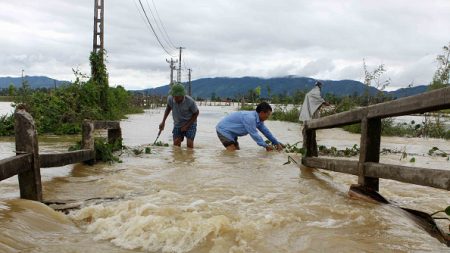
{"x": 373, "y": 79}
{"x": 258, "y": 91}
{"x": 11, "y": 90}
{"x": 100, "y": 77}
{"x": 269, "y": 92}
{"x": 441, "y": 76}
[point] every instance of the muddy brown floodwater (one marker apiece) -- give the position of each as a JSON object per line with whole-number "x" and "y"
{"x": 210, "y": 200}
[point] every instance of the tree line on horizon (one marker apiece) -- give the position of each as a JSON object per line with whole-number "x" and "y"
{"x": 61, "y": 110}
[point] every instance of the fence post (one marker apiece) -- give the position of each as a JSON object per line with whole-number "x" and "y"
{"x": 369, "y": 151}
{"x": 87, "y": 138}
{"x": 115, "y": 137}
{"x": 309, "y": 141}
{"x": 26, "y": 142}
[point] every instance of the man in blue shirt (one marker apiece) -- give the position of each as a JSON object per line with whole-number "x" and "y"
{"x": 247, "y": 122}
{"x": 184, "y": 113}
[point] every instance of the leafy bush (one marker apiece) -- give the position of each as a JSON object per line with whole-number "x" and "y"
{"x": 247, "y": 107}
{"x": 62, "y": 110}
{"x": 6, "y": 125}
{"x": 284, "y": 114}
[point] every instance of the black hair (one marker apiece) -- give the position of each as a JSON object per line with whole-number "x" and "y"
{"x": 263, "y": 107}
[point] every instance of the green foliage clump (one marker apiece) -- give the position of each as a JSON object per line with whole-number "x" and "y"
{"x": 412, "y": 129}
{"x": 6, "y": 125}
{"x": 283, "y": 114}
{"x": 333, "y": 151}
{"x": 435, "y": 151}
{"x": 63, "y": 109}
{"x": 354, "y": 128}
{"x": 442, "y": 75}
{"x": 247, "y": 107}
{"x": 104, "y": 151}
{"x": 294, "y": 148}
{"x": 161, "y": 144}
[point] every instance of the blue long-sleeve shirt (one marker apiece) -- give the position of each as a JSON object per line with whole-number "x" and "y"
{"x": 242, "y": 123}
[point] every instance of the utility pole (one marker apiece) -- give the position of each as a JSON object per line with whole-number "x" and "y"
{"x": 179, "y": 66}
{"x": 190, "y": 86}
{"x": 172, "y": 67}
{"x": 98, "y": 25}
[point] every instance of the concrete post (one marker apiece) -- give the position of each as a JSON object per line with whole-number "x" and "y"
{"x": 87, "y": 138}
{"x": 115, "y": 137}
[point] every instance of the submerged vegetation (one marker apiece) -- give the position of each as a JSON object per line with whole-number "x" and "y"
{"x": 104, "y": 151}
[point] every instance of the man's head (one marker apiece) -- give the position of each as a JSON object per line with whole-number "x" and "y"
{"x": 319, "y": 84}
{"x": 177, "y": 91}
{"x": 264, "y": 110}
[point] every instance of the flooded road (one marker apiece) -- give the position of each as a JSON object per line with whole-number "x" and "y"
{"x": 210, "y": 200}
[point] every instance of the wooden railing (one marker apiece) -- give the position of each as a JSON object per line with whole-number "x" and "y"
{"x": 368, "y": 169}
{"x": 27, "y": 162}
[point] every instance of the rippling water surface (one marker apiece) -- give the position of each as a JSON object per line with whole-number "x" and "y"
{"x": 210, "y": 200}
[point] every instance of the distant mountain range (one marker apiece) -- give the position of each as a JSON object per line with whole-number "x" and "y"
{"x": 35, "y": 82}
{"x": 226, "y": 87}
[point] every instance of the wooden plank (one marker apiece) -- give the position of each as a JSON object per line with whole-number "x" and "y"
{"x": 337, "y": 165}
{"x": 420, "y": 176}
{"x": 414, "y": 175}
{"x": 105, "y": 124}
{"x": 26, "y": 142}
{"x": 61, "y": 159}
{"x": 309, "y": 142}
{"x": 369, "y": 151}
{"x": 430, "y": 101}
{"x": 426, "y": 102}
{"x": 339, "y": 119}
{"x": 14, "y": 165}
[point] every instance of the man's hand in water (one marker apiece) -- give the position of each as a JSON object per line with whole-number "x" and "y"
{"x": 279, "y": 147}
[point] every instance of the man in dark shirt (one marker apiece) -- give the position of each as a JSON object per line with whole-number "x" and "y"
{"x": 184, "y": 113}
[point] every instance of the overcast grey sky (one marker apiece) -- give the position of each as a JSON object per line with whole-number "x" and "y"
{"x": 323, "y": 39}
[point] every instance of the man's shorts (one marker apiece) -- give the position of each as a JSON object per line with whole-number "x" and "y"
{"x": 227, "y": 142}
{"x": 190, "y": 133}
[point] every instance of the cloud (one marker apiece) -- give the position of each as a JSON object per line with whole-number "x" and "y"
{"x": 325, "y": 39}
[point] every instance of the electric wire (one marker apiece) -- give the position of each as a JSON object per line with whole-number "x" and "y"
{"x": 159, "y": 26}
{"x": 153, "y": 30}
{"x": 140, "y": 13}
{"x": 162, "y": 25}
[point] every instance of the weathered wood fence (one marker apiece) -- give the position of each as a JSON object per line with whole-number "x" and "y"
{"x": 149, "y": 101}
{"x": 215, "y": 103}
{"x": 368, "y": 169}
{"x": 28, "y": 162}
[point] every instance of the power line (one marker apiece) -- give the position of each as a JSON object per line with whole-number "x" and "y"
{"x": 159, "y": 26}
{"x": 140, "y": 13}
{"x": 162, "y": 25}
{"x": 153, "y": 30}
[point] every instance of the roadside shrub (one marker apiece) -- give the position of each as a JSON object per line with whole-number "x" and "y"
{"x": 284, "y": 114}
{"x": 6, "y": 125}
